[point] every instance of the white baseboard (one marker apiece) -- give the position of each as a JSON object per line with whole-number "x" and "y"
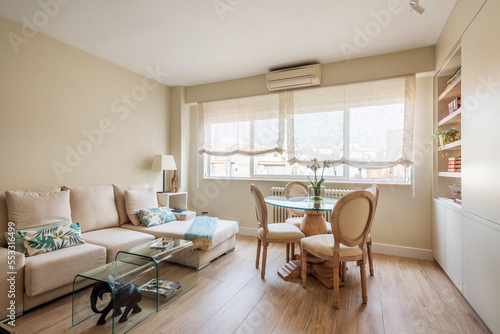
{"x": 416, "y": 253}
{"x": 251, "y": 231}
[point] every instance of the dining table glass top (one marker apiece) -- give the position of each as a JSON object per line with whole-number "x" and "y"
{"x": 302, "y": 202}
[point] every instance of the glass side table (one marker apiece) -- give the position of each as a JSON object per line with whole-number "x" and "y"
{"x": 143, "y": 266}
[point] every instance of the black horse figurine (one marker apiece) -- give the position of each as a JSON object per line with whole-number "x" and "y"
{"x": 126, "y": 294}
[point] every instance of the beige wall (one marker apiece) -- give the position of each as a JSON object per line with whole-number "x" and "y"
{"x": 459, "y": 20}
{"x": 341, "y": 72}
{"x": 401, "y": 219}
{"x": 56, "y": 99}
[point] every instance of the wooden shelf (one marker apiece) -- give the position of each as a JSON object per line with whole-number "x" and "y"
{"x": 452, "y": 91}
{"x": 450, "y": 174}
{"x": 455, "y": 146}
{"x": 453, "y": 118}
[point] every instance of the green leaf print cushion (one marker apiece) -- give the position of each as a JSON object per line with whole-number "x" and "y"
{"x": 51, "y": 239}
{"x": 156, "y": 216}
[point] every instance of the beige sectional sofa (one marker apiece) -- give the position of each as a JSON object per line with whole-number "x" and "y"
{"x": 105, "y": 228}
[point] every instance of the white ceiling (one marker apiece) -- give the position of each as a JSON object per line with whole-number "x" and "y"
{"x": 199, "y": 41}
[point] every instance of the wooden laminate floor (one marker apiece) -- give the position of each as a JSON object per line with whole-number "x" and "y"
{"x": 405, "y": 296}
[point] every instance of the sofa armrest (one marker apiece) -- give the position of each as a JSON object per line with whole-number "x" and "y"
{"x": 11, "y": 283}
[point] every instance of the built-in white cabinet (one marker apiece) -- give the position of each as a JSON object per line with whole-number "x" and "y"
{"x": 438, "y": 233}
{"x": 453, "y": 245}
{"x": 447, "y": 238}
{"x": 481, "y": 258}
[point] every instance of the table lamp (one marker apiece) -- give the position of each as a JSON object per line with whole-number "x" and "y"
{"x": 165, "y": 162}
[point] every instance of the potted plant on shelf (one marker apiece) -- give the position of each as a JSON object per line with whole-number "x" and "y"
{"x": 445, "y": 137}
{"x": 316, "y": 189}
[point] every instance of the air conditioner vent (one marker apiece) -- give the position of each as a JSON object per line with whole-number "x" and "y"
{"x": 296, "y": 77}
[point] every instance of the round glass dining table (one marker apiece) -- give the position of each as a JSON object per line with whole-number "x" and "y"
{"x": 313, "y": 222}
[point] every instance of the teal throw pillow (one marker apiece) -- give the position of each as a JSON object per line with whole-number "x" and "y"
{"x": 156, "y": 216}
{"x": 51, "y": 239}
{"x": 14, "y": 237}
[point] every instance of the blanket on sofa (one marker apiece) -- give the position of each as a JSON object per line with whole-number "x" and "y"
{"x": 202, "y": 231}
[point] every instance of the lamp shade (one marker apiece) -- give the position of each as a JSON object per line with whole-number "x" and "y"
{"x": 164, "y": 162}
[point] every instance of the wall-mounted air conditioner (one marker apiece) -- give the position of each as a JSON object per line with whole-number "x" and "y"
{"x": 296, "y": 77}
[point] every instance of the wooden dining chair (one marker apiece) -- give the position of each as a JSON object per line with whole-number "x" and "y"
{"x": 295, "y": 189}
{"x": 351, "y": 221}
{"x": 374, "y": 189}
{"x": 295, "y": 216}
{"x": 283, "y": 233}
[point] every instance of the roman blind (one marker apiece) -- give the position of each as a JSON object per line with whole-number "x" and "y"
{"x": 247, "y": 126}
{"x": 363, "y": 125}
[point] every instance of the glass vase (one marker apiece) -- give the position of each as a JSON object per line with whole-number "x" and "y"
{"x": 316, "y": 193}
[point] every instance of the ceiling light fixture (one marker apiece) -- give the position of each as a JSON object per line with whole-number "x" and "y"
{"x": 415, "y": 7}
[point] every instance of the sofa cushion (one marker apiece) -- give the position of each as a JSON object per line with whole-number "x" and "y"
{"x": 32, "y": 209}
{"x": 48, "y": 271}
{"x": 119, "y": 190}
{"x": 177, "y": 229}
{"x": 140, "y": 199}
{"x": 51, "y": 238}
{"x": 116, "y": 239}
{"x": 156, "y": 216}
{"x": 18, "y": 240}
{"x": 93, "y": 207}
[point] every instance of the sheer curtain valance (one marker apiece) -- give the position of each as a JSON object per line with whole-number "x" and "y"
{"x": 363, "y": 125}
{"x": 247, "y": 126}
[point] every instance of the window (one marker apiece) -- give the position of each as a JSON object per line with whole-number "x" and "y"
{"x": 366, "y": 129}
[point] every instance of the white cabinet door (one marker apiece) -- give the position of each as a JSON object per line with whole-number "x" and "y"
{"x": 453, "y": 246}
{"x": 438, "y": 233}
{"x": 481, "y": 258}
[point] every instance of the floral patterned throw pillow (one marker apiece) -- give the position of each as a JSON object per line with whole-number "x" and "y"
{"x": 156, "y": 216}
{"x": 51, "y": 239}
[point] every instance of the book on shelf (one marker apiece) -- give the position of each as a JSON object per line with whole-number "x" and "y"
{"x": 455, "y": 170}
{"x": 162, "y": 244}
{"x": 453, "y": 78}
{"x": 165, "y": 288}
{"x": 459, "y": 158}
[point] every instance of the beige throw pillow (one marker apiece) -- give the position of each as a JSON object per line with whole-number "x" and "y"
{"x": 119, "y": 190}
{"x": 32, "y": 209}
{"x": 141, "y": 199}
{"x": 93, "y": 206}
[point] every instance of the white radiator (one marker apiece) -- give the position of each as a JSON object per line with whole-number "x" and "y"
{"x": 279, "y": 213}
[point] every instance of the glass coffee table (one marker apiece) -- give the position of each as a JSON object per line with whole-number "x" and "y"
{"x": 142, "y": 266}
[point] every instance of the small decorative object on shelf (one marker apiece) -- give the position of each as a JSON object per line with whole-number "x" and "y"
{"x": 445, "y": 137}
{"x": 126, "y": 295}
{"x": 456, "y": 192}
{"x": 316, "y": 189}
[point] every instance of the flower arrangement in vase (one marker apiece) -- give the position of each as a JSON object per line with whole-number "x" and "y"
{"x": 316, "y": 188}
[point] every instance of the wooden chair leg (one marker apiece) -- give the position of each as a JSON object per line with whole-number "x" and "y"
{"x": 363, "y": 281}
{"x": 370, "y": 259}
{"x": 303, "y": 266}
{"x": 344, "y": 271}
{"x": 336, "y": 283}
{"x": 259, "y": 243}
{"x": 292, "y": 255}
{"x": 287, "y": 252}
{"x": 264, "y": 257}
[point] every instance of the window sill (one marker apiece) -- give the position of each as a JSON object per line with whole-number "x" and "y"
{"x": 327, "y": 182}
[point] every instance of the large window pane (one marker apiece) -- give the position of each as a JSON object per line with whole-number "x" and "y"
{"x": 376, "y": 132}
